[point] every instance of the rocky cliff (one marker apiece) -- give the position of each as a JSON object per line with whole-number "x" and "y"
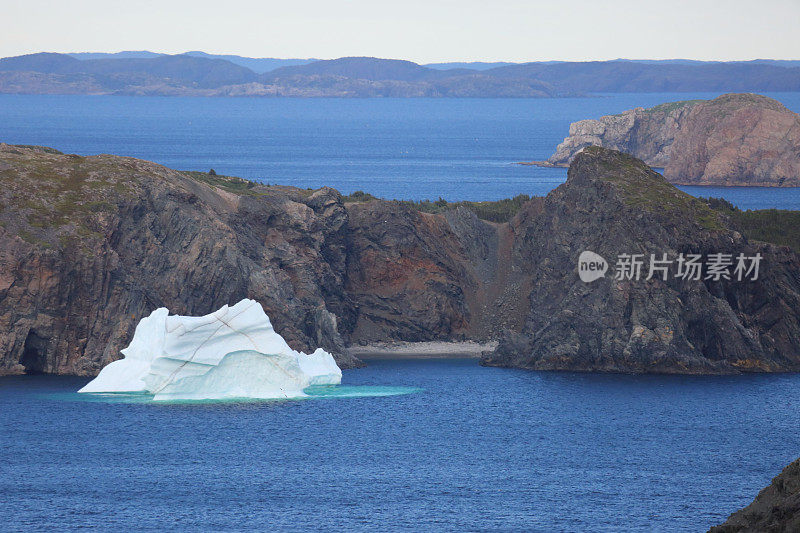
{"x": 647, "y": 134}
{"x": 736, "y": 139}
{"x": 613, "y": 204}
{"x": 776, "y": 509}
{"x": 89, "y": 245}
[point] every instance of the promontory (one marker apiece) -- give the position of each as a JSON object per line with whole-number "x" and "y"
{"x": 736, "y": 139}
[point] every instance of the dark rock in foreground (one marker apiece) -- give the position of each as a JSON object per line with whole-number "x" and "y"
{"x": 776, "y": 509}
{"x": 614, "y": 204}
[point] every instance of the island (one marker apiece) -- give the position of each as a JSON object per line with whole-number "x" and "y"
{"x": 732, "y": 140}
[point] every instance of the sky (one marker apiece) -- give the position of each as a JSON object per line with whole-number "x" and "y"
{"x": 421, "y": 31}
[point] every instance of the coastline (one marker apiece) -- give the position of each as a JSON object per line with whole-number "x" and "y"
{"x": 544, "y": 164}
{"x": 422, "y": 350}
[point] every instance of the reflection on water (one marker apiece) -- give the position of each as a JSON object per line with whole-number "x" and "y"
{"x": 313, "y": 392}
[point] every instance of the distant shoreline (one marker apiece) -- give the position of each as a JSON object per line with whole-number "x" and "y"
{"x": 422, "y": 350}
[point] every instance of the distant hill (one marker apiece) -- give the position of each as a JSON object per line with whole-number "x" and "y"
{"x": 259, "y": 65}
{"x": 630, "y": 76}
{"x": 117, "y": 74}
{"x": 202, "y": 74}
{"x": 135, "y": 54}
{"x": 364, "y": 68}
{"x": 45, "y": 62}
{"x": 773, "y": 62}
{"x": 472, "y": 65}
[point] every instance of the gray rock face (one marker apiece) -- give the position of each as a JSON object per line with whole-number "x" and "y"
{"x": 613, "y": 204}
{"x": 88, "y": 246}
{"x": 775, "y": 509}
{"x": 647, "y": 134}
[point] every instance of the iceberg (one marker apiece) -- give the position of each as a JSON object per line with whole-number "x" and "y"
{"x": 231, "y": 353}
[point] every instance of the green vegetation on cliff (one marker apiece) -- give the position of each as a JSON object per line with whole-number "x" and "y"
{"x": 777, "y": 226}
{"x": 644, "y": 188}
{"x": 497, "y": 211}
{"x": 226, "y": 183}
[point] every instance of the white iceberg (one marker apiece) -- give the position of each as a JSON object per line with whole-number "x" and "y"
{"x": 231, "y": 353}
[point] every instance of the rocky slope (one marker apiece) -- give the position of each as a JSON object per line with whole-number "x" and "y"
{"x": 736, "y": 139}
{"x": 776, "y": 509}
{"x": 614, "y": 204}
{"x": 89, "y": 245}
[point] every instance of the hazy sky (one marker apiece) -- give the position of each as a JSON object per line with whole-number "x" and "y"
{"x": 423, "y": 31}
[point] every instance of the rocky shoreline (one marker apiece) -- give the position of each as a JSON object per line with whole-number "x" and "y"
{"x": 89, "y": 245}
{"x": 422, "y": 350}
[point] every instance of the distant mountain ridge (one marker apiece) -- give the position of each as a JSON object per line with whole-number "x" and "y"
{"x": 202, "y": 74}
{"x": 259, "y": 65}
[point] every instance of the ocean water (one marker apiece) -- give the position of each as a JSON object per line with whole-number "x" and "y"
{"x": 457, "y": 149}
{"x": 472, "y": 449}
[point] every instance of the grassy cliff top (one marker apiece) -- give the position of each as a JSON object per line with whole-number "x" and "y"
{"x": 642, "y": 187}
{"x": 669, "y": 107}
{"x": 46, "y": 195}
{"x": 729, "y": 102}
{"x": 492, "y": 211}
{"x": 725, "y": 103}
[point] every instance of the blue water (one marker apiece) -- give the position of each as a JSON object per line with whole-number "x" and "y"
{"x": 459, "y": 149}
{"x": 476, "y": 448}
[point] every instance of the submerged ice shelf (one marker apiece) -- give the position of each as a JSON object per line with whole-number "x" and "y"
{"x": 231, "y": 353}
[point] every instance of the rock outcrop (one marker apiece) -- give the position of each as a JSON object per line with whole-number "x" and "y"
{"x": 736, "y": 139}
{"x": 613, "y": 204}
{"x": 647, "y": 134}
{"x": 776, "y": 509}
{"x": 90, "y": 245}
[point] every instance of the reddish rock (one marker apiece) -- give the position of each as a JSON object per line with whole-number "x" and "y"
{"x": 737, "y": 139}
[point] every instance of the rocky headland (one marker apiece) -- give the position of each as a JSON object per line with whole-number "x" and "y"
{"x": 776, "y": 509}
{"x": 614, "y": 204}
{"x": 90, "y": 245}
{"x": 736, "y": 139}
